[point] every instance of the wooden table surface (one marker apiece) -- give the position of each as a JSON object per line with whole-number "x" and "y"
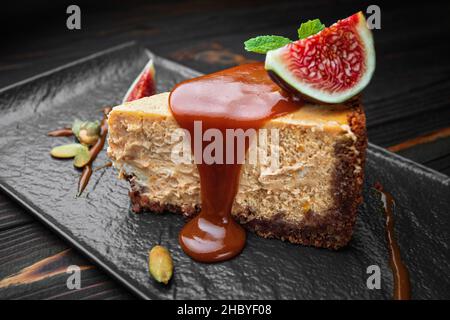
{"x": 407, "y": 102}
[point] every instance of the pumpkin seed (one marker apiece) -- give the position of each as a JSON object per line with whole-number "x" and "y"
{"x": 160, "y": 264}
{"x": 66, "y": 151}
{"x": 82, "y": 157}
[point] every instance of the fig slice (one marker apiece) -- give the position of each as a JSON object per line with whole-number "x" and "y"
{"x": 144, "y": 85}
{"x": 331, "y": 66}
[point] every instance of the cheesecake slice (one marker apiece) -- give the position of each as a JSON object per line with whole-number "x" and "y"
{"x": 311, "y": 198}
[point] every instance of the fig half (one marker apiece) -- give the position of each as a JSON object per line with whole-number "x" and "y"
{"x": 144, "y": 85}
{"x": 331, "y": 66}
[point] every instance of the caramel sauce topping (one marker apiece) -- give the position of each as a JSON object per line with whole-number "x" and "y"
{"x": 242, "y": 97}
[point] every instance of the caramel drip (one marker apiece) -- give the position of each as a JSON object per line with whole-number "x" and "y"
{"x": 84, "y": 178}
{"x": 106, "y": 165}
{"x": 402, "y": 290}
{"x": 94, "y": 151}
{"x": 239, "y": 98}
{"x": 64, "y": 132}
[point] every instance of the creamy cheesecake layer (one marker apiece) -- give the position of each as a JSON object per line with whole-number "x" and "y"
{"x": 319, "y": 177}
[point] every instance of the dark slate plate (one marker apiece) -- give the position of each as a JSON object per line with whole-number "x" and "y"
{"x": 100, "y": 224}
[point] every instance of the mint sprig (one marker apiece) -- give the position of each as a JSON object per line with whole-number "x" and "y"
{"x": 262, "y": 44}
{"x": 310, "y": 28}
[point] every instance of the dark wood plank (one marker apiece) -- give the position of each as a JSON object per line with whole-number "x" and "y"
{"x": 33, "y": 264}
{"x": 433, "y": 154}
{"x": 11, "y": 215}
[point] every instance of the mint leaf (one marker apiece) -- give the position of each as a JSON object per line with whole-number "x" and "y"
{"x": 309, "y": 28}
{"x": 262, "y": 44}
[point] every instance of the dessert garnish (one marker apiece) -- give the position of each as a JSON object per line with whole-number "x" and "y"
{"x": 263, "y": 44}
{"x": 310, "y": 28}
{"x": 327, "y": 64}
{"x": 64, "y": 132}
{"x": 160, "y": 264}
{"x": 82, "y": 157}
{"x": 66, "y": 151}
{"x": 93, "y": 133}
{"x": 144, "y": 85}
{"x": 78, "y": 151}
{"x": 402, "y": 287}
{"x": 93, "y": 152}
{"x": 87, "y": 132}
{"x": 103, "y": 166}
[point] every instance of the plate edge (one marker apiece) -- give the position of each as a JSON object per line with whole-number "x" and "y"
{"x": 74, "y": 243}
{"x": 68, "y": 65}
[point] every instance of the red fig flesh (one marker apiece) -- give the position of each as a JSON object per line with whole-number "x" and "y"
{"x": 330, "y": 66}
{"x": 144, "y": 85}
